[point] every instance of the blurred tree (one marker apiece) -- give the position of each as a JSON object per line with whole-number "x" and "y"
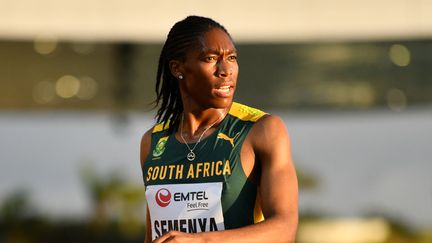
{"x": 115, "y": 202}
{"x": 16, "y": 207}
{"x": 306, "y": 180}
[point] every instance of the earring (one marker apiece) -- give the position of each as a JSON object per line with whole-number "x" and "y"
{"x": 180, "y": 77}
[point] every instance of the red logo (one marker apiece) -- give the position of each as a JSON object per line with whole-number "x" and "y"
{"x": 163, "y": 197}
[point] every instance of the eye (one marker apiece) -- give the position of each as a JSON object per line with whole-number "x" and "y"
{"x": 210, "y": 58}
{"x": 232, "y": 58}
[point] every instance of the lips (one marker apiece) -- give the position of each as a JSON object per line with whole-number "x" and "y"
{"x": 224, "y": 91}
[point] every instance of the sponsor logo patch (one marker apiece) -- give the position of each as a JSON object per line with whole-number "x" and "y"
{"x": 160, "y": 147}
{"x": 163, "y": 197}
{"x": 227, "y": 138}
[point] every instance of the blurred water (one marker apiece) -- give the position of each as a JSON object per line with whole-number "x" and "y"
{"x": 374, "y": 161}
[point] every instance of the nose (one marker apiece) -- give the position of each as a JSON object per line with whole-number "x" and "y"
{"x": 224, "y": 69}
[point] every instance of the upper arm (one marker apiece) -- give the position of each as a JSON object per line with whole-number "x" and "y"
{"x": 278, "y": 180}
{"x": 148, "y": 236}
{"x": 144, "y": 150}
{"x": 145, "y": 146}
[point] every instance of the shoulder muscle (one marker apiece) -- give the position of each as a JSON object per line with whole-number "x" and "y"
{"x": 145, "y": 146}
{"x": 269, "y": 134}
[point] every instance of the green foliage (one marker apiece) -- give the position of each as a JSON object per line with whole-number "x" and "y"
{"x": 16, "y": 207}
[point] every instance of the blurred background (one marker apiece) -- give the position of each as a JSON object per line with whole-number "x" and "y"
{"x": 351, "y": 79}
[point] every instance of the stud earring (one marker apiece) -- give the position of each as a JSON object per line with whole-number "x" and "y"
{"x": 180, "y": 77}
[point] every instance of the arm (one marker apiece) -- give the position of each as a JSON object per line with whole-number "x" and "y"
{"x": 278, "y": 187}
{"x": 148, "y": 228}
{"x": 145, "y": 148}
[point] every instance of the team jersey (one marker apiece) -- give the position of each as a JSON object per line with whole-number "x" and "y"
{"x": 210, "y": 193}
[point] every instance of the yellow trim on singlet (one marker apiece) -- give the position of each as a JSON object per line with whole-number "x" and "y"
{"x": 242, "y": 112}
{"x": 245, "y": 113}
{"x": 160, "y": 127}
{"x": 258, "y": 214}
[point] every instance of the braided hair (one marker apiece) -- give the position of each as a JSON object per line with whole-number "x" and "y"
{"x": 183, "y": 36}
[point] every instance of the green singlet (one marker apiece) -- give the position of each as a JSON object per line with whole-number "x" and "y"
{"x": 209, "y": 193}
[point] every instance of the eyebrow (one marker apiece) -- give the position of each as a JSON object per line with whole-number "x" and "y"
{"x": 218, "y": 51}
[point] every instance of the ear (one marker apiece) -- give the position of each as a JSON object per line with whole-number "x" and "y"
{"x": 176, "y": 68}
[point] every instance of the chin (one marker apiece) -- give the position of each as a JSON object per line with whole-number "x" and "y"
{"x": 216, "y": 103}
{"x": 222, "y": 103}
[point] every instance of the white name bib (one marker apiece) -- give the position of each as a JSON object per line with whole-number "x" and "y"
{"x": 188, "y": 208}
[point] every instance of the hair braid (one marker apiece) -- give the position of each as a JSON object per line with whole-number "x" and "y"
{"x": 183, "y": 36}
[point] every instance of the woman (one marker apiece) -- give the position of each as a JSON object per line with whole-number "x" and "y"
{"x": 214, "y": 170}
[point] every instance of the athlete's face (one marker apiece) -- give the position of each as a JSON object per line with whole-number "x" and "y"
{"x": 210, "y": 71}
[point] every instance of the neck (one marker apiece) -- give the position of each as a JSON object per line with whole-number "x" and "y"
{"x": 195, "y": 122}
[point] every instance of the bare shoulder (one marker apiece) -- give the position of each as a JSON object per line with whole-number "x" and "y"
{"x": 268, "y": 131}
{"x": 145, "y": 145}
{"x": 269, "y": 121}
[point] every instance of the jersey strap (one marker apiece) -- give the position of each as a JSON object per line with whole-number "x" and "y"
{"x": 245, "y": 113}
